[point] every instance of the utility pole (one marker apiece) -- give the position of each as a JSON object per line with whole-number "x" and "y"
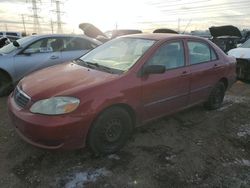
{"x": 52, "y": 26}
{"x": 24, "y": 27}
{"x": 36, "y": 23}
{"x": 6, "y": 27}
{"x": 59, "y": 22}
{"x": 58, "y": 15}
{"x": 179, "y": 25}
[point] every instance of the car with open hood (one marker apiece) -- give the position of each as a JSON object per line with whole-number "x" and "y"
{"x": 242, "y": 55}
{"x": 98, "y": 99}
{"x": 226, "y": 37}
{"x": 92, "y": 31}
{"x": 35, "y": 52}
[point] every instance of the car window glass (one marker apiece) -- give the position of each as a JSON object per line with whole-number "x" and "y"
{"x": 121, "y": 53}
{"x": 199, "y": 52}
{"x": 73, "y": 44}
{"x": 171, "y": 55}
{"x": 213, "y": 55}
{"x": 46, "y": 46}
{"x": 246, "y": 44}
{"x": 56, "y": 44}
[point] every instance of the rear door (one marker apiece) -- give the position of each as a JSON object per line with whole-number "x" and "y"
{"x": 167, "y": 92}
{"x": 205, "y": 70}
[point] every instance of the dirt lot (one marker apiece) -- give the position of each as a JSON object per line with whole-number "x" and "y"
{"x": 194, "y": 148}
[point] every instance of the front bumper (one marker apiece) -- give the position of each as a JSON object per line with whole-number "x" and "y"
{"x": 49, "y": 132}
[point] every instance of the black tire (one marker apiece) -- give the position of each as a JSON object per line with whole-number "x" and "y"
{"x": 110, "y": 131}
{"x": 5, "y": 85}
{"x": 216, "y": 97}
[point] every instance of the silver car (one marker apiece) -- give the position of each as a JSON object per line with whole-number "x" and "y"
{"x": 35, "y": 52}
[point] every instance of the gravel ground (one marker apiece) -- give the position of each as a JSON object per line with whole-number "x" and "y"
{"x": 193, "y": 148}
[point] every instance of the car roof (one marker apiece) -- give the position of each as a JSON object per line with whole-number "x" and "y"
{"x": 162, "y": 36}
{"x": 40, "y": 36}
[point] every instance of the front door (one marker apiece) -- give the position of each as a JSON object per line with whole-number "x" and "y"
{"x": 167, "y": 92}
{"x": 40, "y": 54}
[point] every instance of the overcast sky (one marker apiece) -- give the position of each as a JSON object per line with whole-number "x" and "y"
{"x": 183, "y": 15}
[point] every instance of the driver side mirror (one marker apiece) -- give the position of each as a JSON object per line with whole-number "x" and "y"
{"x": 153, "y": 69}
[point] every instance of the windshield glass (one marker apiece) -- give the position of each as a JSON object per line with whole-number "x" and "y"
{"x": 10, "y": 47}
{"x": 120, "y": 54}
{"x": 246, "y": 44}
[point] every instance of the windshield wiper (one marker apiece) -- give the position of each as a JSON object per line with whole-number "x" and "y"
{"x": 96, "y": 66}
{"x": 86, "y": 63}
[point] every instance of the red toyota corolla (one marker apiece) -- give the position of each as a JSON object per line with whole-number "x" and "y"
{"x": 99, "y": 98}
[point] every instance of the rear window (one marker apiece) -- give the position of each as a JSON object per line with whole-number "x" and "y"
{"x": 200, "y": 52}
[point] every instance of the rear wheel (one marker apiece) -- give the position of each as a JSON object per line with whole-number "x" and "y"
{"x": 110, "y": 131}
{"x": 216, "y": 97}
{"x": 5, "y": 85}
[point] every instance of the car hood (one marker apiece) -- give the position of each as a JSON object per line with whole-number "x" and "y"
{"x": 243, "y": 53}
{"x": 91, "y": 31}
{"x": 64, "y": 79}
{"x": 227, "y": 30}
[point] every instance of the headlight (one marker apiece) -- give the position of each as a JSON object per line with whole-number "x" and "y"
{"x": 55, "y": 105}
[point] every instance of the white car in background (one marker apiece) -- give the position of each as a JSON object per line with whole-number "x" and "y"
{"x": 242, "y": 55}
{"x": 35, "y": 52}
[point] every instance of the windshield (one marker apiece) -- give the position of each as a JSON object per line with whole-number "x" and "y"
{"x": 120, "y": 54}
{"x": 10, "y": 47}
{"x": 246, "y": 44}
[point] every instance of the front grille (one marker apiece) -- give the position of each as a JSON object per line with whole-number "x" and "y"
{"x": 20, "y": 97}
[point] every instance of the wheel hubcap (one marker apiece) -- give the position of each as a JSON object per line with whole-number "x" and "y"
{"x": 218, "y": 96}
{"x": 113, "y": 130}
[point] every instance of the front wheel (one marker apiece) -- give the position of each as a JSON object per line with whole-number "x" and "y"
{"x": 110, "y": 131}
{"x": 216, "y": 97}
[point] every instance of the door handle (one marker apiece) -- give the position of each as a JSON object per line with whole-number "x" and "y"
{"x": 184, "y": 73}
{"x": 54, "y": 57}
{"x": 216, "y": 66}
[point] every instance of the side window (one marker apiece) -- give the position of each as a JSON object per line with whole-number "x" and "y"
{"x": 57, "y": 44}
{"x": 200, "y": 52}
{"x": 46, "y": 45}
{"x": 171, "y": 55}
{"x": 73, "y": 44}
{"x": 213, "y": 55}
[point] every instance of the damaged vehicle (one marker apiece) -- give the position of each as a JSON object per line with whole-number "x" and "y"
{"x": 126, "y": 82}
{"x": 92, "y": 31}
{"x": 165, "y": 30}
{"x": 226, "y": 37}
{"x": 4, "y": 41}
{"x": 35, "y": 52}
{"x": 242, "y": 55}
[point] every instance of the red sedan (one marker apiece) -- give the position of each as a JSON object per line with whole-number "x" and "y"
{"x": 99, "y": 98}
